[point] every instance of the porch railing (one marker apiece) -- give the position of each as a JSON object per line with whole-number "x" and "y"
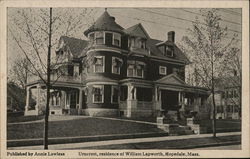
{"x": 144, "y": 105}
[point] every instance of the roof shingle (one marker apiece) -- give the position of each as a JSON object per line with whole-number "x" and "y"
{"x": 105, "y": 22}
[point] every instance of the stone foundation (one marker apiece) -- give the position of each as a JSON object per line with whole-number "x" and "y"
{"x": 31, "y": 113}
{"x": 101, "y": 112}
{"x": 55, "y": 111}
{"x": 137, "y": 113}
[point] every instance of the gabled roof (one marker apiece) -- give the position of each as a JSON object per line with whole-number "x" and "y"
{"x": 138, "y": 31}
{"x": 75, "y": 45}
{"x": 105, "y": 22}
{"x": 171, "y": 79}
{"x": 155, "y": 51}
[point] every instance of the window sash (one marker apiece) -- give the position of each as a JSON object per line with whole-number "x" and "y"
{"x": 116, "y": 39}
{"x": 162, "y": 70}
{"x": 139, "y": 72}
{"x": 98, "y": 94}
{"x": 99, "y": 38}
{"x": 116, "y": 65}
{"x": 99, "y": 64}
{"x": 130, "y": 72}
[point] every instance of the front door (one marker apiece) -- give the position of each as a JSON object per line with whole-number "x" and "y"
{"x": 169, "y": 100}
{"x": 73, "y": 99}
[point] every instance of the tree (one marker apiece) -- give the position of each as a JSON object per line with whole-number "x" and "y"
{"x": 208, "y": 47}
{"x": 36, "y": 33}
{"x": 19, "y": 71}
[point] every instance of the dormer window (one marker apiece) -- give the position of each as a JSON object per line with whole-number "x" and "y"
{"x": 138, "y": 43}
{"x": 142, "y": 44}
{"x": 169, "y": 51}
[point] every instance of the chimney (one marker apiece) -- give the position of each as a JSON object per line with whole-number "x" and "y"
{"x": 171, "y": 35}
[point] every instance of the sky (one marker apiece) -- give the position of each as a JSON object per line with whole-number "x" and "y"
{"x": 156, "y": 21}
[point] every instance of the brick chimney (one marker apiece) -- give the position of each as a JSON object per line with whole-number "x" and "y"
{"x": 171, "y": 35}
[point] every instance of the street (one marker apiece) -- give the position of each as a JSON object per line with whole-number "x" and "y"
{"x": 230, "y": 147}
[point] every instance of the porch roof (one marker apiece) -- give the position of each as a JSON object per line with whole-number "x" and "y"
{"x": 172, "y": 81}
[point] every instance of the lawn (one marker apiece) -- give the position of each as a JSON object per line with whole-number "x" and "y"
{"x": 72, "y": 127}
{"x": 222, "y": 125}
{"x": 78, "y": 127}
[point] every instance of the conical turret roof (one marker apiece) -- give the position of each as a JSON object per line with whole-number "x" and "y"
{"x": 105, "y": 23}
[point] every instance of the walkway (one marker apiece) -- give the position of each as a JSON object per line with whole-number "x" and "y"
{"x": 122, "y": 141}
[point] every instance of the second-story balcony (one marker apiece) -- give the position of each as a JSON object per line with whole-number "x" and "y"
{"x": 54, "y": 78}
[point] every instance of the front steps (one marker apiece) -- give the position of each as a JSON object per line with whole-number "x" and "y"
{"x": 176, "y": 129}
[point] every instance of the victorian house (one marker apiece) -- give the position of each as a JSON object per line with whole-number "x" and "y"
{"x": 118, "y": 72}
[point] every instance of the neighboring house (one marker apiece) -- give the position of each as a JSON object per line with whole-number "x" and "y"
{"x": 228, "y": 98}
{"x": 119, "y": 72}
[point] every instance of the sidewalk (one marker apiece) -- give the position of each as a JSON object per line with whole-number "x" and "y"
{"x": 177, "y": 142}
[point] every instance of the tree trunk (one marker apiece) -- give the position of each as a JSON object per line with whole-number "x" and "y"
{"x": 214, "y": 114}
{"x": 46, "y": 118}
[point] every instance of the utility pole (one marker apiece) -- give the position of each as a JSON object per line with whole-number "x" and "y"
{"x": 46, "y": 118}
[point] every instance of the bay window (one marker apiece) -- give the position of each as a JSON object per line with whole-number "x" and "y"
{"x": 99, "y": 62}
{"x": 114, "y": 94}
{"x": 98, "y": 94}
{"x": 135, "y": 69}
{"x": 116, "y": 65}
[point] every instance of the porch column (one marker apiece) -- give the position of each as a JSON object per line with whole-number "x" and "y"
{"x": 157, "y": 101}
{"x": 131, "y": 101}
{"x": 179, "y": 98}
{"x": 27, "y": 99}
{"x": 80, "y": 102}
{"x": 38, "y": 87}
{"x": 183, "y": 101}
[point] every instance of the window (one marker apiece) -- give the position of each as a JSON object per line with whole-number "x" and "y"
{"x": 135, "y": 69}
{"x": 162, "y": 70}
{"x": 142, "y": 44}
{"x": 139, "y": 71}
{"x": 170, "y": 51}
{"x": 99, "y": 38}
{"x": 98, "y": 94}
{"x": 117, "y": 39}
{"x": 114, "y": 95}
{"x": 99, "y": 62}
{"x": 130, "y": 71}
{"x": 116, "y": 65}
{"x": 132, "y": 42}
{"x": 108, "y": 39}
